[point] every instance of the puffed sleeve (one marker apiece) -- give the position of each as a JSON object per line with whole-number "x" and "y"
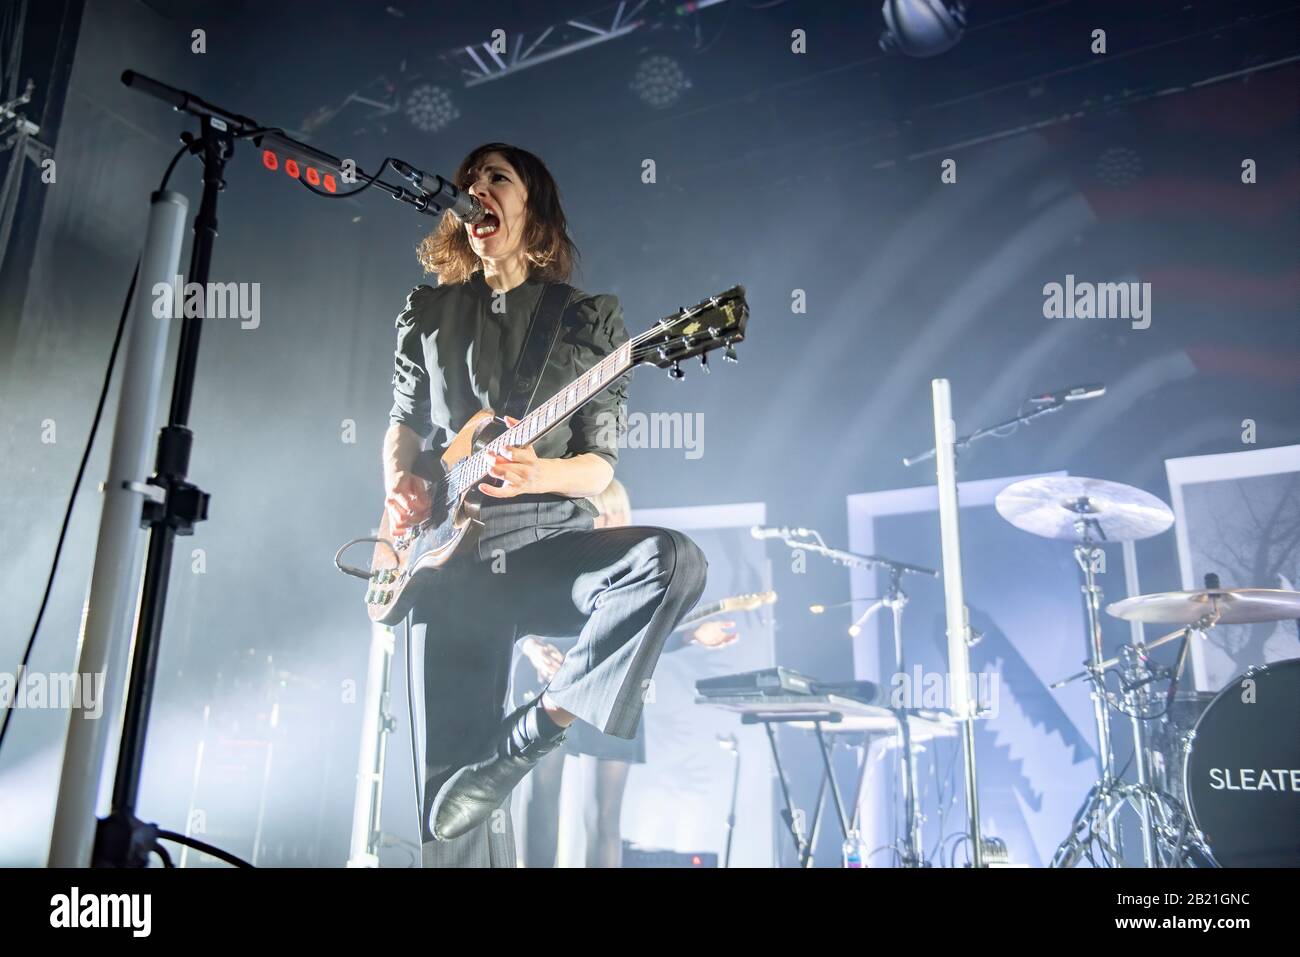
{"x": 410, "y": 378}
{"x": 599, "y": 425}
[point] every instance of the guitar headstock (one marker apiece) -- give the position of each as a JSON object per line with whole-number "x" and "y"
{"x": 715, "y": 323}
{"x": 748, "y": 602}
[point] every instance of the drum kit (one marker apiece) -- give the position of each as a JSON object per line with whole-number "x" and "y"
{"x": 1219, "y": 787}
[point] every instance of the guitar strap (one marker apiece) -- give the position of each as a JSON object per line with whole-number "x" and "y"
{"x": 539, "y": 342}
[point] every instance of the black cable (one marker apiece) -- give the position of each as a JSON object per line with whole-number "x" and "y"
{"x": 72, "y": 499}
{"x": 370, "y": 181}
{"x": 172, "y": 165}
{"x": 203, "y": 846}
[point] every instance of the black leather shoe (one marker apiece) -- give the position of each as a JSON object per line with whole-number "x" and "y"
{"x": 469, "y": 796}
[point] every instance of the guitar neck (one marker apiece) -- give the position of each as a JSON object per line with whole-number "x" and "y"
{"x": 701, "y": 613}
{"x": 474, "y": 468}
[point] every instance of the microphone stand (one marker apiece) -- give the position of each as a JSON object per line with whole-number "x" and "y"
{"x": 121, "y": 839}
{"x": 895, "y": 599}
{"x": 964, "y": 442}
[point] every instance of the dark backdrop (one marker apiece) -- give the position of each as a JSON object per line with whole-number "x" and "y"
{"x": 817, "y": 172}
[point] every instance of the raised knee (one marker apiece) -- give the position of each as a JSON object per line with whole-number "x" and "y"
{"x": 674, "y": 560}
{"x": 690, "y": 567}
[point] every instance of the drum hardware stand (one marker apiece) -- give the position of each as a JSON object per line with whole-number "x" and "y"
{"x": 1086, "y": 555}
{"x": 1165, "y": 826}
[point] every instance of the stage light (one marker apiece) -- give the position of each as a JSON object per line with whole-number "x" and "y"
{"x": 1118, "y": 166}
{"x": 303, "y": 171}
{"x": 922, "y": 27}
{"x": 430, "y": 108}
{"x": 659, "y": 81}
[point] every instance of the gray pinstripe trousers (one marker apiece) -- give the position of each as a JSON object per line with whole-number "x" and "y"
{"x": 620, "y": 590}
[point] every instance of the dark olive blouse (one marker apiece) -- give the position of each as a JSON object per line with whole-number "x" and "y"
{"x": 457, "y": 346}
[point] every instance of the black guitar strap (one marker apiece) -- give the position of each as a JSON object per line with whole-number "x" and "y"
{"x": 539, "y": 342}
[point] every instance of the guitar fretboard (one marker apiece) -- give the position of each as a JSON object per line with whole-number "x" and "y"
{"x": 473, "y": 469}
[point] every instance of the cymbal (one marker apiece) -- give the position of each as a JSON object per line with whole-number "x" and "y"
{"x": 1053, "y": 507}
{"x": 1236, "y": 606}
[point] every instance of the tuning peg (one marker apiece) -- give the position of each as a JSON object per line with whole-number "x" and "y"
{"x": 704, "y": 362}
{"x": 730, "y": 354}
{"x": 675, "y": 371}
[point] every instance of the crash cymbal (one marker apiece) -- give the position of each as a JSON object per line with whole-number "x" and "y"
{"x": 1058, "y": 506}
{"x": 1236, "y": 606}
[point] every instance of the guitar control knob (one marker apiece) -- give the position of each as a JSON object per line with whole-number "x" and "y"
{"x": 675, "y": 371}
{"x": 730, "y": 355}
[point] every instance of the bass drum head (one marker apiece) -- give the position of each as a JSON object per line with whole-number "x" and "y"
{"x": 1242, "y": 773}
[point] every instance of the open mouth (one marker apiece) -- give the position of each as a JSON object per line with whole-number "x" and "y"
{"x": 488, "y": 227}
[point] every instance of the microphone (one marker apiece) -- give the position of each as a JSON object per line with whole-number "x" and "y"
{"x": 767, "y": 531}
{"x": 442, "y": 194}
{"x": 1075, "y": 393}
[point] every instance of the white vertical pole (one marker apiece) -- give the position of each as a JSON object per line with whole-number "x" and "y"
{"x": 115, "y": 580}
{"x": 375, "y": 725}
{"x": 959, "y": 676}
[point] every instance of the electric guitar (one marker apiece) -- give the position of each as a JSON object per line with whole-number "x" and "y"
{"x": 401, "y": 565}
{"x": 734, "y": 603}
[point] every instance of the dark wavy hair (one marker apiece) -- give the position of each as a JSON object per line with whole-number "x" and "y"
{"x": 446, "y": 251}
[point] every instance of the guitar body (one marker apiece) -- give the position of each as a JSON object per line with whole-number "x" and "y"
{"x": 402, "y": 567}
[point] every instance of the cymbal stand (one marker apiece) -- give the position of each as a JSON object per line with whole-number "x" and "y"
{"x": 1087, "y": 554}
{"x": 1167, "y": 835}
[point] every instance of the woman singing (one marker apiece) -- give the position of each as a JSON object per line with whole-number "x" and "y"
{"x": 538, "y": 567}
